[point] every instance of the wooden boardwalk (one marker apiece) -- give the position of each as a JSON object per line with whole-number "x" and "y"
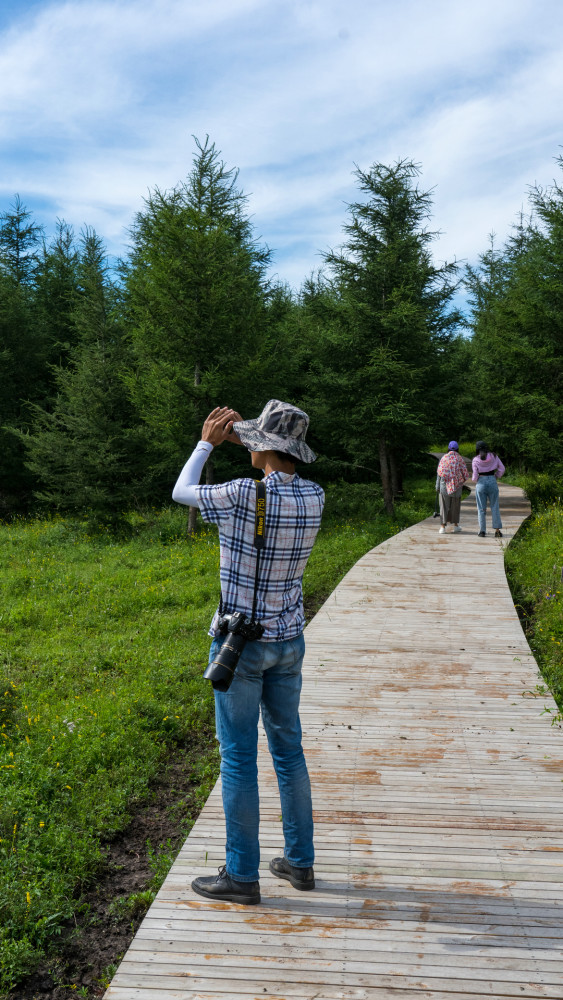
{"x": 437, "y": 786}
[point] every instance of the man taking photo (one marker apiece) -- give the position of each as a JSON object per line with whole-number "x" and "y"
{"x": 268, "y": 674}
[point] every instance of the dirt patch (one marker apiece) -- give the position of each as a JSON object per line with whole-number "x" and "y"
{"x": 313, "y": 604}
{"x": 82, "y": 960}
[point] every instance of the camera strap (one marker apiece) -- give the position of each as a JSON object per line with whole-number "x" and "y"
{"x": 259, "y": 535}
{"x": 259, "y": 540}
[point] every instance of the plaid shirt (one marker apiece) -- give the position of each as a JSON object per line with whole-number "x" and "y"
{"x": 293, "y": 516}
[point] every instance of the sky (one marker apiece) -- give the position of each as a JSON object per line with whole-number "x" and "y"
{"x": 99, "y": 103}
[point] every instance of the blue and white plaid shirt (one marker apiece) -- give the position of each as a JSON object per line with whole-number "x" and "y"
{"x": 293, "y": 515}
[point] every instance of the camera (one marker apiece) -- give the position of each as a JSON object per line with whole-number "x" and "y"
{"x": 239, "y": 630}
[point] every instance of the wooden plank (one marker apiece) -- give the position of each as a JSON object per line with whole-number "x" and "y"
{"x": 363, "y": 952}
{"x": 221, "y": 989}
{"x": 437, "y": 790}
{"x": 291, "y": 927}
{"x": 249, "y": 987}
{"x": 238, "y": 942}
{"x": 366, "y": 971}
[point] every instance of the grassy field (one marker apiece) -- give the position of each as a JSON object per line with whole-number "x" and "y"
{"x": 103, "y": 644}
{"x": 466, "y": 448}
{"x": 534, "y": 564}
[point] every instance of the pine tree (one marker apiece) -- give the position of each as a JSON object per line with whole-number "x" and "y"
{"x": 23, "y": 375}
{"x": 197, "y": 307}
{"x": 85, "y": 451}
{"x": 517, "y": 346}
{"x": 386, "y": 327}
{"x": 56, "y": 280}
{"x": 19, "y": 240}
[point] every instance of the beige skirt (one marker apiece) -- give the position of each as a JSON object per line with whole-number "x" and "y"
{"x": 450, "y": 504}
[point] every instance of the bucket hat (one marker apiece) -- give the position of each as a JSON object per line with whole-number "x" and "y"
{"x": 280, "y": 427}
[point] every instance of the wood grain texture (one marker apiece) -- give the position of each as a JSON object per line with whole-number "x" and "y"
{"x": 437, "y": 786}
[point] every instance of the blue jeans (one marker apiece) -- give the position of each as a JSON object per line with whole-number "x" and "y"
{"x": 487, "y": 487}
{"x": 268, "y": 677}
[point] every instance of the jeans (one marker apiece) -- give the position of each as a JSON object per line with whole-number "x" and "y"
{"x": 487, "y": 487}
{"x": 268, "y": 677}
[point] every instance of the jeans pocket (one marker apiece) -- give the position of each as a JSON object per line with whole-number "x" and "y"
{"x": 251, "y": 663}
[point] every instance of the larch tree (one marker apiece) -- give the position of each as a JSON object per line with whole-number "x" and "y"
{"x": 23, "y": 350}
{"x": 388, "y": 328}
{"x": 517, "y": 345}
{"x": 196, "y": 300}
{"x": 84, "y": 451}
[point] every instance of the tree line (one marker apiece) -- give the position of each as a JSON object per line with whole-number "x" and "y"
{"x": 106, "y": 375}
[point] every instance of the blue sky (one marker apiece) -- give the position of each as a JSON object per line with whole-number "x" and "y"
{"x": 99, "y": 102}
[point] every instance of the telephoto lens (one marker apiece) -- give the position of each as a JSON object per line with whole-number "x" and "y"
{"x": 238, "y": 630}
{"x": 221, "y": 670}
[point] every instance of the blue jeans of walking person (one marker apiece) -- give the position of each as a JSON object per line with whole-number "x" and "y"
{"x": 267, "y": 678}
{"x": 487, "y": 489}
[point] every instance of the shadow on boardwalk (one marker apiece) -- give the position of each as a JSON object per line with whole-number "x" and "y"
{"x": 437, "y": 791}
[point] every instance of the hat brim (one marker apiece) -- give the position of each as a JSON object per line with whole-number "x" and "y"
{"x": 256, "y": 439}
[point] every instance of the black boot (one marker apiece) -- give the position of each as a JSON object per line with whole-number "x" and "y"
{"x": 222, "y": 886}
{"x": 300, "y": 878}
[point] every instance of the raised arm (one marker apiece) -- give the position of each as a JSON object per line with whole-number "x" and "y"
{"x": 217, "y": 428}
{"x": 184, "y": 490}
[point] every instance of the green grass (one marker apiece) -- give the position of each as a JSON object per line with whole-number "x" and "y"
{"x": 534, "y": 565}
{"x": 466, "y": 448}
{"x": 103, "y": 645}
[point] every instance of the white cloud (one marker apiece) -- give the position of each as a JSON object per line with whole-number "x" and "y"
{"x": 100, "y": 99}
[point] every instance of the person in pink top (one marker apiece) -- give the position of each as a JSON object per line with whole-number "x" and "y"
{"x": 487, "y": 469}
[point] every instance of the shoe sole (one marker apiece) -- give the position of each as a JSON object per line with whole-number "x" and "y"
{"x": 302, "y": 886}
{"x": 227, "y": 897}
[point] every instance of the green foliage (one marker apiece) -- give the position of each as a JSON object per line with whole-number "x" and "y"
{"x": 17, "y": 958}
{"x": 133, "y": 906}
{"x": 23, "y": 352}
{"x": 86, "y": 450}
{"x": 382, "y": 328}
{"x": 56, "y": 290}
{"x": 516, "y": 356}
{"x": 103, "y": 645}
{"x": 345, "y": 500}
{"x": 161, "y": 859}
{"x": 19, "y": 238}
{"x": 542, "y": 488}
{"x": 105, "y": 384}
{"x": 196, "y": 304}
{"x": 534, "y": 562}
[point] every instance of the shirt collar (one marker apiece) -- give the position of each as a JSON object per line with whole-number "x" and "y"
{"x": 280, "y": 477}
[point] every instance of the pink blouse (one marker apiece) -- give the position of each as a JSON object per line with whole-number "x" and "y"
{"x": 482, "y": 466}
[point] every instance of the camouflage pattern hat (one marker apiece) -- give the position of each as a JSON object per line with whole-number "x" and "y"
{"x": 280, "y": 427}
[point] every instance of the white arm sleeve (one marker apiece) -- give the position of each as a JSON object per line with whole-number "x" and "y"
{"x": 184, "y": 490}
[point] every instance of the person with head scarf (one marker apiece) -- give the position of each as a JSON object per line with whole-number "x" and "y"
{"x": 487, "y": 469}
{"x": 267, "y": 678}
{"x": 451, "y": 475}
